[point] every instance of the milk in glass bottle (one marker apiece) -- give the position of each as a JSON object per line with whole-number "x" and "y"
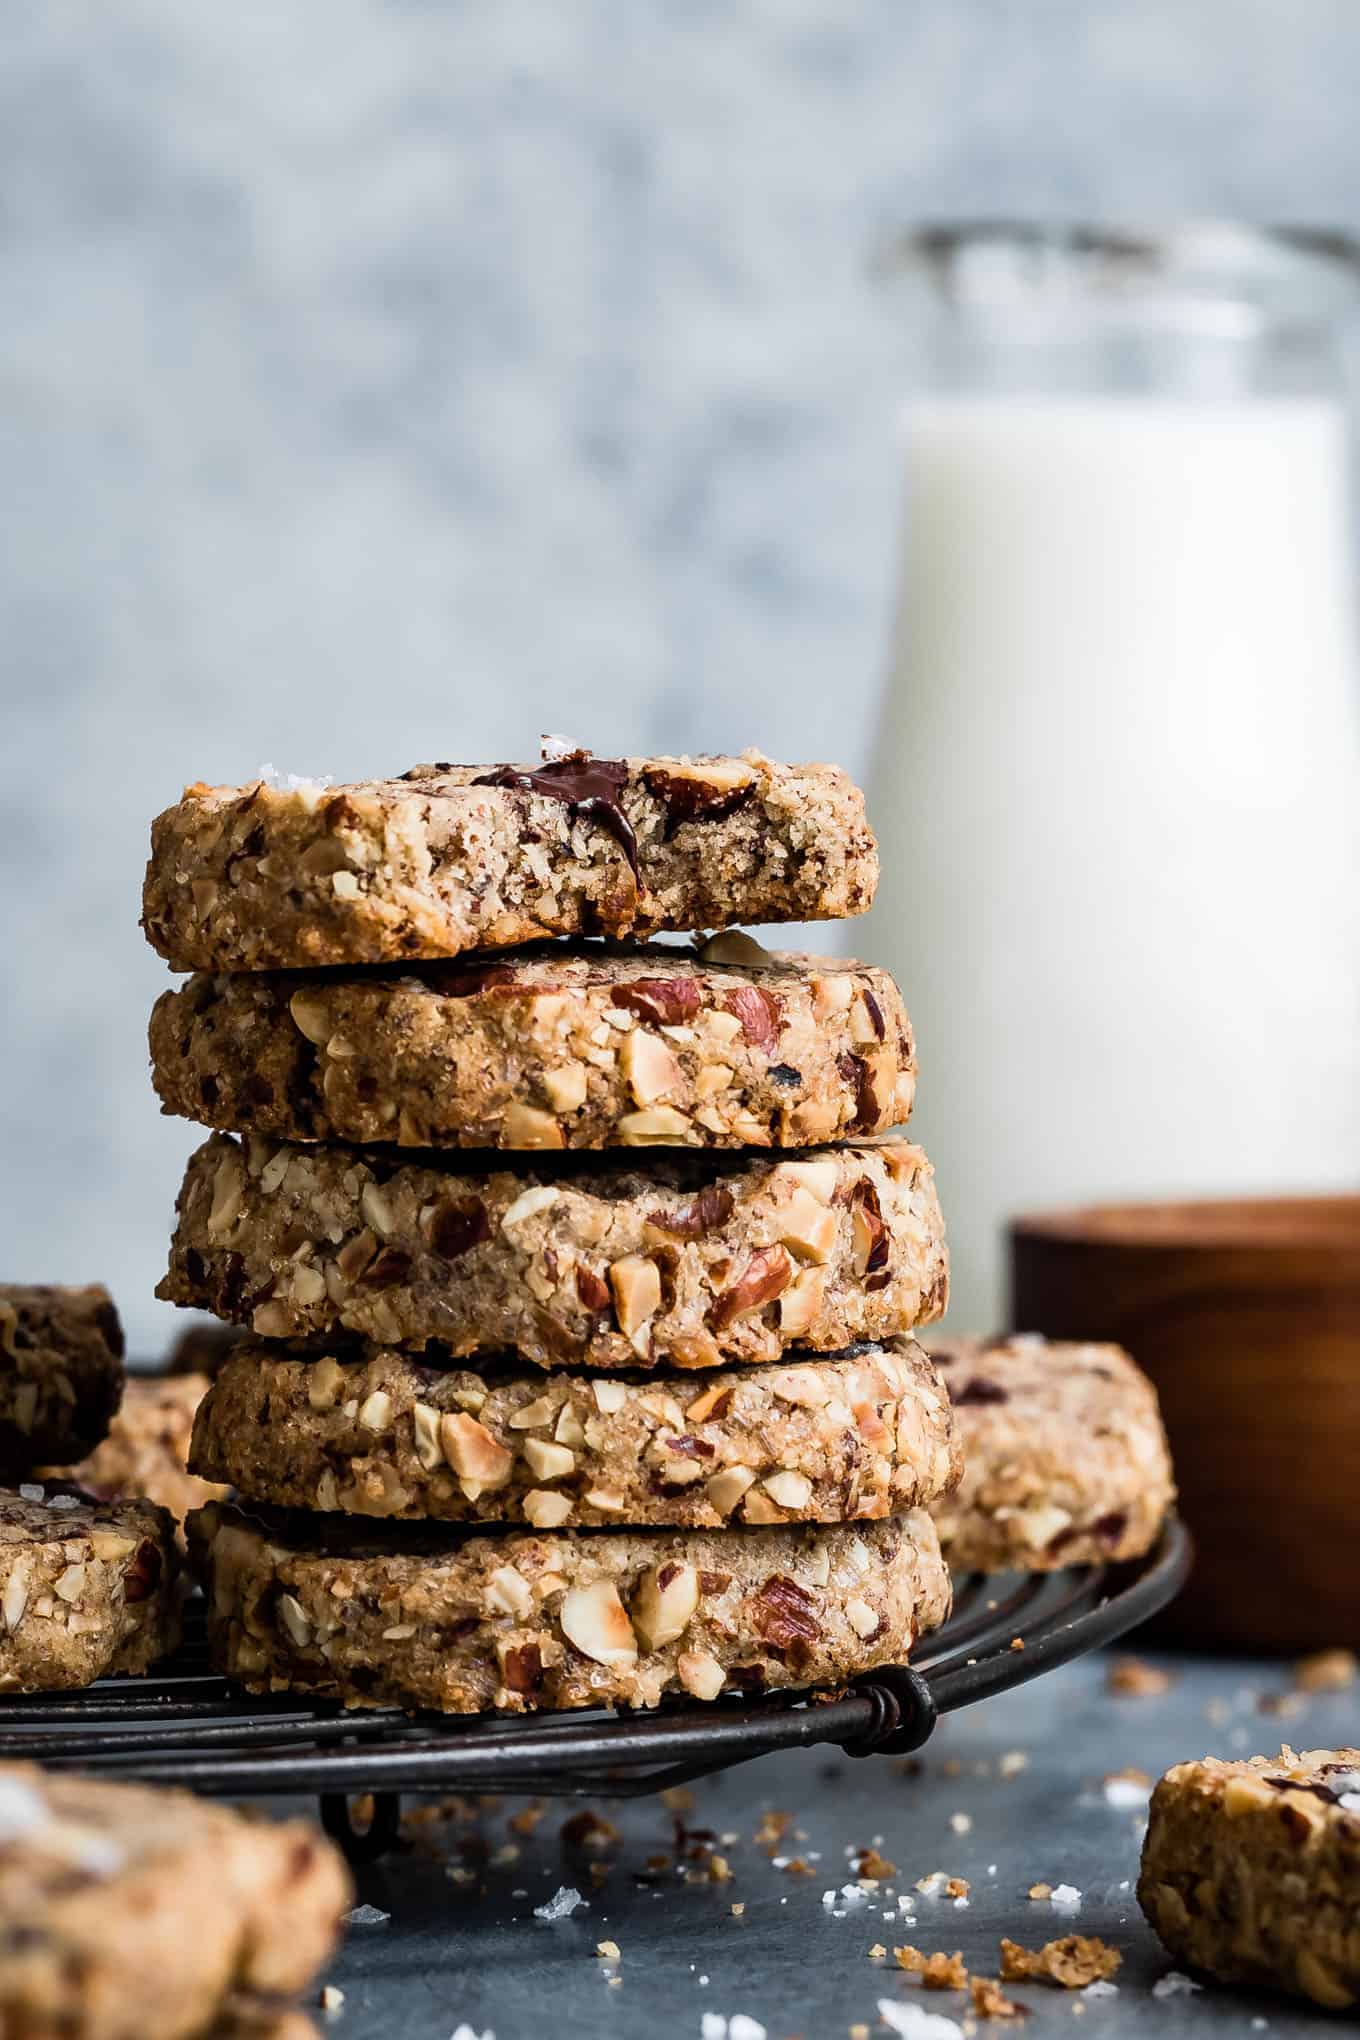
{"x": 1116, "y": 767}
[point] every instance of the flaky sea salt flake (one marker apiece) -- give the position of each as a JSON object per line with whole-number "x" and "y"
{"x": 561, "y": 1905}
{"x": 913, "y": 2022}
{"x": 1174, "y": 1984}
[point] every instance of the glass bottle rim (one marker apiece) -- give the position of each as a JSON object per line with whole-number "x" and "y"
{"x": 1234, "y": 275}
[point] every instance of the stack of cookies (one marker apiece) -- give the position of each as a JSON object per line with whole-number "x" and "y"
{"x": 578, "y": 1273}
{"x": 88, "y": 1585}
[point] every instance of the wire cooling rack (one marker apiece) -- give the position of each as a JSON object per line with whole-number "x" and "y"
{"x": 184, "y": 1725}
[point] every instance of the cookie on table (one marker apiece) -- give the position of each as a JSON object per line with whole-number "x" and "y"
{"x": 689, "y": 1262}
{"x": 87, "y": 1588}
{"x": 1251, "y": 1871}
{"x": 456, "y": 857}
{"x": 147, "y": 1450}
{"x": 1065, "y": 1458}
{"x": 201, "y": 1347}
{"x": 429, "y": 1616}
{"x": 861, "y": 1435}
{"x": 61, "y": 1372}
{"x": 262, "y": 2019}
{"x": 570, "y": 1046}
{"x": 131, "y": 1913}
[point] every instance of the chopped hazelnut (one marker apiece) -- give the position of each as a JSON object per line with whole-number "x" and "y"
{"x": 546, "y": 1510}
{"x": 636, "y": 1283}
{"x": 473, "y": 1453}
{"x": 700, "y": 1674}
{"x": 594, "y": 1619}
{"x": 528, "y": 1126}
{"x": 664, "y": 1602}
{"x": 649, "y": 1068}
{"x": 790, "y": 1489}
{"x": 547, "y": 1461}
{"x": 726, "y": 1487}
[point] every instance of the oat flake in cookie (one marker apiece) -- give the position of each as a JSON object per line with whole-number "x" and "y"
{"x": 128, "y": 1913}
{"x": 1251, "y": 1871}
{"x": 566, "y": 1046}
{"x": 513, "y": 1620}
{"x": 61, "y": 1372}
{"x": 457, "y": 857}
{"x": 687, "y": 1262}
{"x": 380, "y": 1434}
{"x": 86, "y": 1588}
{"x": 1065, "y": 1458}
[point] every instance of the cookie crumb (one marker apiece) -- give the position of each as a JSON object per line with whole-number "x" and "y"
{"x": 587, "y": 1830}
{"x": 878, "y": 1953}
{"x": 608, "y": 1951}
{"x": 869, "y": 1863}
{"x": 772, "y": 1830}
{"x": 738, "y": 1910}
{"x": 1039, "y": 1891}
{"x": 1326, "y": 1671}
{"x": 1071, "y": 1963}
{"x": 1011, "y": 1763}
{"x": 1017, "y": 1643}
{"x": 961, "y": 1823}
{"x": 1131, "y": 1678}
{"x": 991, "y": 2002}
{"x": 937, "y": 1972}
{"x": 331, "y": 1998}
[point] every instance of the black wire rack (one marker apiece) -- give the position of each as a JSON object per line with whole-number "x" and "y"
{"x": 185, "y": 1725}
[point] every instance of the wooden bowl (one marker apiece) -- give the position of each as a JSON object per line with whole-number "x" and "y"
{"x": 1247, "y": 1317}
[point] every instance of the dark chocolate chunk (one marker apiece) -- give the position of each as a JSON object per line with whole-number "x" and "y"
{"x": 587, "y": 786}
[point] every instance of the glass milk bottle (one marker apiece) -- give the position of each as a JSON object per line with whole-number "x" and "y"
{"x": 1115, "y": 777}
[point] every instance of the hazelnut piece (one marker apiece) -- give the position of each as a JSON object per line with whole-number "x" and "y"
{"x": 529, "y": 1126}
{"x": 565, "y": 1088}
{"x": 664, "y": 1602}
{"x": 649, "y": 1068}
{"x": 595, "y": 1620}
{"x": 636, "y": 1283}
{"x": 792, "y": 1490}
{"x": 546, "y": 1510}
{"x": 425, "y": 1424}
{"x": 547, "y": 1461}
{"x": 473, "y": 1453}
{"x": 808, "y": 1226}
{"x": 507, "y": 1591}
{"x": 701, "y": 1674}
{"x": 311, "y": 1018}
{"x": 726, "y": 1488}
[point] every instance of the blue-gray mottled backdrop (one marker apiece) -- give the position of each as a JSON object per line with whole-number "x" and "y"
{"x": 381, "y": 381}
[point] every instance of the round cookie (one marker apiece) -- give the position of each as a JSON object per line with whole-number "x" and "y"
{"x": 1251, "y": 1871}
{"x": 61, "y": 1372}
{"x": 569, "y": 1046}
{"x": 128, "y": 1913}
{"x": 457, "y": 857}
{"x": 689, "y": 1262}
{"x": 87, "y": 1588}
{"x": 512, "y": 1620}
{"x": 825, "y": 1441}
{"x": 147, "y": 1450}
{"x": 1065, "y": 1461}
